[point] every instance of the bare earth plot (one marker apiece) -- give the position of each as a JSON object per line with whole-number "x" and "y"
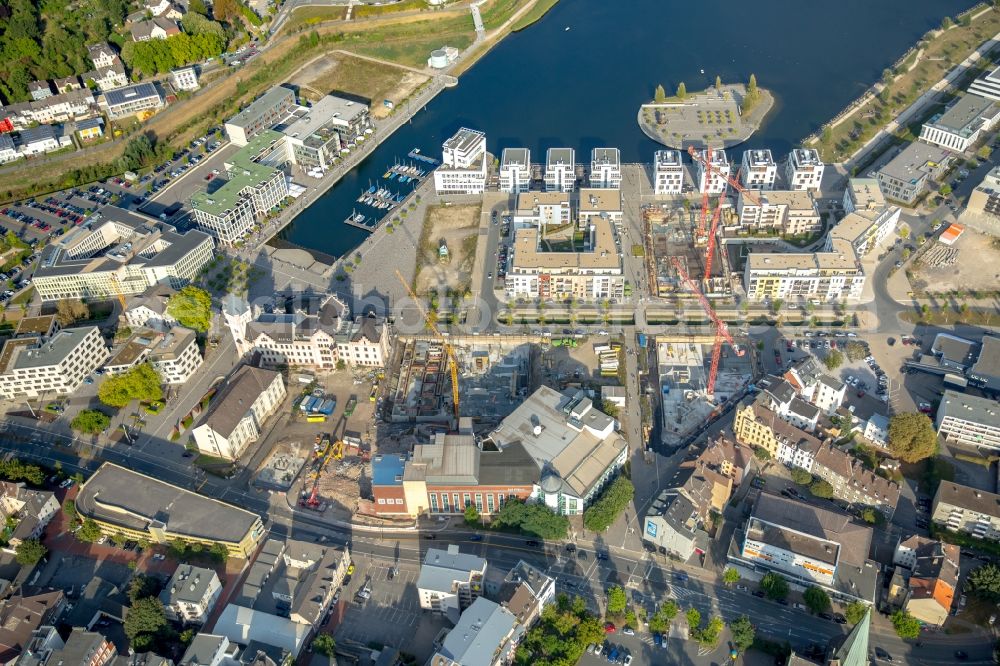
{"x": 457, "y": 227}
{"x": 374, "y": 81}
{"x": 976, "y": 266}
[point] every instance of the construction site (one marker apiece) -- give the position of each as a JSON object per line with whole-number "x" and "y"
{"x": 687, "y": 404}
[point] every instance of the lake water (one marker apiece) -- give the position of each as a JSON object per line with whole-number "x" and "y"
{"x": 546, "y": 86}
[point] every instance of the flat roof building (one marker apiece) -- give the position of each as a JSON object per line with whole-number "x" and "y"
{"x": 668, "y": 172}
{"x": 575, "y": 446}
{"x": 809, "y": 546}
{"x": 962, "y": 124}
{"x": 804, "y": 170}
{"x": 121, "y": 253}
{"x": 967, "y": 419}
{"x": 515, "y": 170}
{"x": 262, "y": 114}
{"x": 605, "y": 168}
{"x": 140, "y": 507}
{"x": 35, "y": 365}
{"x": 907, "y": 176}
{"x": 560, "y": 170}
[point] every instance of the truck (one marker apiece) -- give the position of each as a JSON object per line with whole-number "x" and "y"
{"x": 327, "y": 407}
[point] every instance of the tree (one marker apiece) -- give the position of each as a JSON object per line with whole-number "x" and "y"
{"x": 89, "y": 532}
{"x": 774, "y": 585}
{"x": 730, "y": 576}
{"x": 144, "y": 620}
{"x": 834, "y": 359}
{"x": 912, "y": 437}
{"x": 718, "y": 82}
{"x": 682, "y": 90}
{"x": 660, "y": 96}
{"x": 471, "y": 515}
{"x": 324, "y": 644}
{"x": 906, "y": 625}
{"x": 816, "y": 599}
{"x": 29, "y": 552}
{"x": 743, "y": 633}
{"x": 821, "y": 488}
{"x": 613, "y": 500}
{"x": 660, "y": 621}
{"x": 192, "y": 308}
{"x": 801, "y": 476}
{"x": 984, "y": 582}
{"x": 140, "y": 383}
{"x": 617, "y": 601}
{"x": 855, "y": 612}
{"x": 70, "y": 311}
{"x": 91, "y": 421}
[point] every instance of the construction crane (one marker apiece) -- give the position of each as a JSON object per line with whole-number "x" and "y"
{"x": 448, "y": 350}
{"x": 334, "y": 449}
{"x": 721, "y": 330}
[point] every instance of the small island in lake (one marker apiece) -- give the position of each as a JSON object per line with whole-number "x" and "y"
{"x": 720, "y": 116}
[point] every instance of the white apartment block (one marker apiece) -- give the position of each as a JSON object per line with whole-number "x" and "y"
{"x": 238, "y": 412}
{"x": 515, "y": 170}
{"x": 306, "y": 331}
{"x": 122, "y": 253}
{"x": 962, "y": 124}
{"x": 790, "y": 212}
{"x": 758, "y": 170}
{"x": 174, "y": 354}
{"x": 36, "y": 365}
{"x": 463, "y": 165}
{"x": 826, "y": 276}
{"x": 191, "y": 593}
{"x": 560, "y": 170}
{"x": 668, "y": 172}
{"x": 970, "y": 420}
{"x": 606, "y": 168}
{"x": 804, "y": 170}
{"x": 718, "y": 182}
{"x": 542, "y": 209}
{"x": 970, "y": 510}
{"x": 252, "y": 188}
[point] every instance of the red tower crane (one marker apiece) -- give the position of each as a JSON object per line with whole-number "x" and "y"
{"x": 721, "y": 330}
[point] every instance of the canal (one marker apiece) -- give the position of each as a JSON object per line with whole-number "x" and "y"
{"x": 581, "y": 86}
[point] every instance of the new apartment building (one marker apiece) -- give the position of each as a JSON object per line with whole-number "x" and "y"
{"x": 605, "y": 168}
{"x": 262, "y": 114}
{"x": 127, "y": 101}
{"x": 804, "y": 170}
{"x": 962, "y": 124}
{"x": 717, "y": 182}
{"x": 593, "y": 273}
{"x": 463, "y": 167}
{"x": 907, "y": 176}
{"x": 758, "y": 170}
{"x": 250, "y": 189}
{"x": 790, "y": 212}
{"x": 668, "y": 172}
{"x": 120, "y": 253}
{"x": 560, "y": 170}
{"x": 967, "y": 419}
{"x": 237, "y": 414}
{"x": 56, "y": 364}
{"x": 131, "y": 504}
{"x": 830, "y": 276}
{"x": 515, "y": 170}
{"x": 308, "y": 331}
{"x": 965, "y": 509}
{"x": 174, "y": 354}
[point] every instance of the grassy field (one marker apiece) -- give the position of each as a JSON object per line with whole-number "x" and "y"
{"x": 305, "y": 17}
{"x": 367, "y": 11}
{"x": 534, "y": 14}
{"x": 942, "y": 51}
